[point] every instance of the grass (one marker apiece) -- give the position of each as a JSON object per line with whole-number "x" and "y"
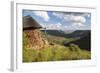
{"x": 55, "y": 52}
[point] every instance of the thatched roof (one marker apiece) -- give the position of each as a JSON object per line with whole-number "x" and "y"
{"x": 30, "y": 23}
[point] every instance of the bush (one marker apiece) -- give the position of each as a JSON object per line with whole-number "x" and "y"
{"x": 53, "y": 52}
{"x": 25, "y": 40}
{"x": 30, "y": 55}
{"x": 45, "y": 55}
{"x": 74, "y": 47}
{"x": 77, "y": 53}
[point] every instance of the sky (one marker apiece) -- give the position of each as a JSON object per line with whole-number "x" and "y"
{"x": 61, "y": 20}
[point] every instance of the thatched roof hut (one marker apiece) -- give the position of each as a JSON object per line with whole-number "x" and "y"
{"x": 30, "y": 23}
{"x": 31, "y": 30}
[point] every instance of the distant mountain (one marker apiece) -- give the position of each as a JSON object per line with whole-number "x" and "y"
{"x": 68, "y": 33}
{"x": 79, "y": 33}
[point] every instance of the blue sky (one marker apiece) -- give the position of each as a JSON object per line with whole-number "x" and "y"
{"x": 61, "y": 20}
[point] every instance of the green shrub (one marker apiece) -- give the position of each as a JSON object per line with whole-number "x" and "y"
{"x": 75, "y": 47}
{"x": 45, "y": 55}
{"x": 77, "y": 53}
{"x": 56, "y": 53}
{"x": 25, "y": 40}
{"x": 53, "y": 52}
{"x": 29, "y": 55}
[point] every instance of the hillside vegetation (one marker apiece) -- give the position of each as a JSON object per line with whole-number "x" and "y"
{"x": 54, "y": 51}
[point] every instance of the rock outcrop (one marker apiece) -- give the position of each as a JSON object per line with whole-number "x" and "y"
{"x": 34, "y": 39}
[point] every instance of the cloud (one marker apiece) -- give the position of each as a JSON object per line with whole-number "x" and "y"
{"x": 78, "y": 24}
{"x": 42, "y": 14}
{"x": 71, "y": 17}
{"x": 73, "y": 20}
{"x": 52, "y": 26}
{"x": 58, "y": 14}
{"x": 58, "y": 25}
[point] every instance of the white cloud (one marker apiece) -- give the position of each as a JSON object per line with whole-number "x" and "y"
{"x": 74, "y": 20}
{"x": 78, "y": 24}
{"x": 60, "y": 15}
{"x": 52, "y": 26}
{"x": 42, "y": 14}
{"x": 71, "y": 17}
{"x": 78, "y": 19}
{"x": 58, "y": 25}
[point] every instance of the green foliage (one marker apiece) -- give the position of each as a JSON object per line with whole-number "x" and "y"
{"x": 25, "y": 40}
{"x": 29, "y": 55}
{"x": 77, "y": 53}
{"x": 74, "y": 47}
{"x": 55, "y": 53}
